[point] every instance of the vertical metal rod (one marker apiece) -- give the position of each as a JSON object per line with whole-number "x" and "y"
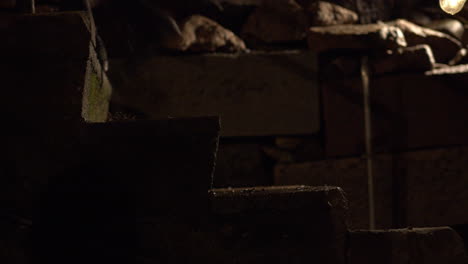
{"x": 33, "y": 7}
{"x": 368, "y": 137}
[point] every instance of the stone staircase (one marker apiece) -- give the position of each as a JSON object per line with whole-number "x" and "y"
{"x": 79, "y": 190}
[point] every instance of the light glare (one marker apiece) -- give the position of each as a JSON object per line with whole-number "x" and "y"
{"x": 452, "y": 6}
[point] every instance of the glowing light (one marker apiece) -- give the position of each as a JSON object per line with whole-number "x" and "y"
{"x": 452, "y": 6}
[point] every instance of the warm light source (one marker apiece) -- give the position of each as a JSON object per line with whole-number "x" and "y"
{"x": 452, "y": 6}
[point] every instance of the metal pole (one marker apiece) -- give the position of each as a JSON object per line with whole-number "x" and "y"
{"x": 368, "y": 137}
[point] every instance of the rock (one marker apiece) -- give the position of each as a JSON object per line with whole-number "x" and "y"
{"x": 201, "y": 34}
{"x": 450, "y": 27}
{"x": 276, "y": 22}
{"x": 413, "y": 59}
{"x": 443, "y": 46}
{"x": 289, "y": 224}
{"x": 327, "y": 14}
{"x": 413, "y": 245}
{"x": 360, "y": 37}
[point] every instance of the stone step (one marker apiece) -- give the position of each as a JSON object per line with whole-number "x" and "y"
{"x": 255, "y": 94}
{"x": 53, "y": 84}
{"x": 127, "y": 171}
{"x": 418, "y": 188}
{"x": 292, "y": 224}
{"x": 416, "y": 245}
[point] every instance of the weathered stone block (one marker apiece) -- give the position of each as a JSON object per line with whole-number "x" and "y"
{"x": 420, "y": 188}
{"x": 356, "y": 37}
{"x": 423, "y": 110}
{"x": 418, "y": 245}
{"x": 52, "y": 86}
{"x": 350, "y": 175}
{"x": 279, "y": 224}
{"x": 240, "y": 165}
{"x": 255, "y": 94}
{"x": 168, "y": 164}
{"x": 128, "y": 172}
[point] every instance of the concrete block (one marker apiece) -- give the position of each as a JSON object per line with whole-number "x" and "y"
{"x": 418, "y": 245}
{"x": 255, "y": 94}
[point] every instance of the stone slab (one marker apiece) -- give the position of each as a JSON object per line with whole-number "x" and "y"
{"x": 419, "y": 188}
{"x": 350, "y": 175}
{"x": 418, "y": 245}
{"x": 292, "y": 224}
{"x": 255, "y": 94}
{"x": 409, "y": 111}
{"x": 128, "y": 172}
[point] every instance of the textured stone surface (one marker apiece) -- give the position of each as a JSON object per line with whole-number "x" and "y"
{"x": 327, "y": 14}
{"x": 280, "y": 224}
{"x": 360, "y": 37}
{"x": 418, "y": 245}
{"x": 276, "y": 22}
{"x": 420, "y": 188}
{"x": 443, "y": 46}
{"x": 413, "y": 59}
{"x": 201, "y": 34}
{"x": 128, "y": 172}
{"x": 351, "y": 175}
{"x": 52, "y": 86}
{"x": 240, "y": 165}
{"x": 38, "y": 36}
{"x": 255, "y": 94}
{"x": 423, "y": 110}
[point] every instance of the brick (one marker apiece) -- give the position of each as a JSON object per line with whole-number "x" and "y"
{"x": 291, "y": 224}
{"x": 255, "y": 94}
{"x": 418, "y": 245}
